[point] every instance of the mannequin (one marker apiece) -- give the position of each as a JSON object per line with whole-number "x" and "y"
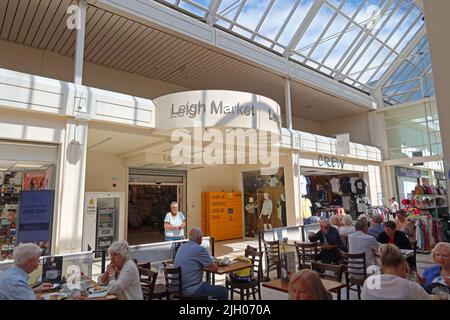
{"x": 251, "y": 209}
{"x": 266, "y": 212}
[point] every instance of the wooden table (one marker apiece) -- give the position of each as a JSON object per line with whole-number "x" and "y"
{"x": 283, "y": 285}
{"x": 232, "y": 267}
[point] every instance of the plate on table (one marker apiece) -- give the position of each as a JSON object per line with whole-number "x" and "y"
{"x": 97, "y": 290}
{"x": 55, "y": 296}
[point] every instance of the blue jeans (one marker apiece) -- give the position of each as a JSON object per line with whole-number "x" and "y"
{"x": 174, "y": 238}
{"x": 215, "y": 292}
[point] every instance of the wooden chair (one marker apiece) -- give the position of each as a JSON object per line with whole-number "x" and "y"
{"x": 355, "y": 271}
{"x": 254, "y": 286}
{"x": 273, "y": 258}
{"x": 412, "y": 261}
{"x": 306, "y": 253}
{"x": 344, "y": 239}
{"x": 148, "y": 282}
{"x": 329, "y": 271}
{"x": 174, "y": 283}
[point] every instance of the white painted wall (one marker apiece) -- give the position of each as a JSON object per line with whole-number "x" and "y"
{"x": 357, "y": 125}
{"x": 213, "y": 179}
{"x": 306, "y": 125}
{"x": 103, "y": 170}
{"x": 48, "y": 64}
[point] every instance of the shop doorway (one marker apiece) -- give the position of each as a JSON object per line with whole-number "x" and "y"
{"x": 149, "y": 199}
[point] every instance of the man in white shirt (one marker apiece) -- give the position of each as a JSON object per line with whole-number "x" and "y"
{"x": 360, "y": 241}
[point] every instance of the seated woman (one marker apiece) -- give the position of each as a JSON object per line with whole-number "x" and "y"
{"x": 348, "y": 227}
{"x": 122, "y": 274}
{"x": 307, "y": 285}
{"x": 392, "y": 284}
{"x": 404, "y": 225}
{"x": 334, "y": 221}
{"x": 438, "y": 274}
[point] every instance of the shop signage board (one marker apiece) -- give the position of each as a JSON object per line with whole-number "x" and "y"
{"x": 91, "y": 207}
{"x": 217, "y": 108}
{"x": 330, "y": 162}
{"x": 408, "y": 172}
{"x": 35, "y": 214}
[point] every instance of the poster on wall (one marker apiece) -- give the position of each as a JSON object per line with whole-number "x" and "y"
{"x": 13, "y": 178}
{"x": 35, "y": 181}
{"x": 35, "y": 214}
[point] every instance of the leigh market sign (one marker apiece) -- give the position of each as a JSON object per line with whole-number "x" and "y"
{"x": 217, "y": 108}
{"x": 330, "y": 162}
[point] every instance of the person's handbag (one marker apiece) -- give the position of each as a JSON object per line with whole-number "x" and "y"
{"x": 244, "y": 275}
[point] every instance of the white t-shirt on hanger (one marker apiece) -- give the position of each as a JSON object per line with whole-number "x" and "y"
{"x": 335, "y": 185}
{"x": 352, "y": 183}
{"x": 303, "y": 184}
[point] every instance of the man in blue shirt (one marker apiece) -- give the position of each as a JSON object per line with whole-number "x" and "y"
{"x": 193, "y": 259}
{"x": 377, "y": 226}
{"x": 14, "y": 281}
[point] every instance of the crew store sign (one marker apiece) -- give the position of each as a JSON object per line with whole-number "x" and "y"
{"x": 330, "y": 162}
{"x": 217, "y": 108}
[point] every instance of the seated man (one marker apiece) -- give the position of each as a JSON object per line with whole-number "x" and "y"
{"x": 14, "y": 281}
{"x": 193, "y": 259}
{"x": 376, "y": 228}
{"x": 329, "y": 236}
{"x": 391, "y": 235}
{"x": 360, "y": 242}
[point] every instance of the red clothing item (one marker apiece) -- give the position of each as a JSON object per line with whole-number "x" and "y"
{"x": 391, "y": 240}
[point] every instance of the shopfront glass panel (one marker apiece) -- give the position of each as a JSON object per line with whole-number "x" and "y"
{"x": 264, "y": 201}
{"x": 26, "y": 205}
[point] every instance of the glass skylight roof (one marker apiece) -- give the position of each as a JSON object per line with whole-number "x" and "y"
{"x": 413, "y": 80}
{"x": 353, "y": 41}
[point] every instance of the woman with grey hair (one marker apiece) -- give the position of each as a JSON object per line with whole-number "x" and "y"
{"x": 122, "y": 275}
{"x": 347, "y": 227}
{"x": 439, "y": 274}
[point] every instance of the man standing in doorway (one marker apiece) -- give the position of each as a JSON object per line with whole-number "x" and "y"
{"x": 174, "y": 224}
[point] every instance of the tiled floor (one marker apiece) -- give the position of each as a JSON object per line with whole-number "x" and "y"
{"x": 235, "y": 248}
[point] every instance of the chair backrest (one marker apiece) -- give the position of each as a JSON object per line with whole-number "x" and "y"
{"x": 272, "y": 249}
{"x": 306, "y": 252}
{"x": 256, "y": 258}
{"x": 148, "y": 282}
{"x": 344, "y": 239}
{"x": 354, "y": 266}
{"x": 328, "y": 271}
{"x": 174, "y": 283}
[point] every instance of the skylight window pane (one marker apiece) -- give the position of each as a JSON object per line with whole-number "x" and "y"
{"x": 342, "y": 46}
{"x": 241, "y": 32}
{"x": 192, "y": 9}
{"x": 314, "y": 30}
{"x": 295, "y": 21}
{"x": 401, "y": 31}
{"x": 252, "y": 12}
{"x": 276, "y": 18}
{"x": 228, "y": 8}
{"x": 263, "y": 41}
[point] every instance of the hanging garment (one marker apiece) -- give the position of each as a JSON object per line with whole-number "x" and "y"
{"x": 303, "y": 185}
{"x": 346, "y": 202}
{"x": 306, "y": 207}
{"x": 335, "y": 185}
{"x": 345, "y": 185}
{"x": 352, "y": 184}
{"x": 267, "y": 207}
{"x": 360, "y": 186}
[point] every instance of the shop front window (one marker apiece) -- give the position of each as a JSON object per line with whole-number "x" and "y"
{"x": 26, "y": 205}
{"x": 264, "y": 201}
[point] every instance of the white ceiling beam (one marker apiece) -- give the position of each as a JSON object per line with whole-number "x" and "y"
{"x": 303, "y": 27}
{"x": 402, "y": 57}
